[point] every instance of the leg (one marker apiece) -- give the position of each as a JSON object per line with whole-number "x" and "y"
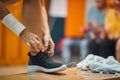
{"x": 66, "y": 54}
{"x": 93, "y": 47}
{"x": 83, "y": 48}
{"x": 107, "y": 48}
{"x": 118, "y": 50}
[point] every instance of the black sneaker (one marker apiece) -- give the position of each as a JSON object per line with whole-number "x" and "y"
{"x": 42, "y": 62}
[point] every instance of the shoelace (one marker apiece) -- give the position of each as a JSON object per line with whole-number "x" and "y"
{"x": 43, "y": 57}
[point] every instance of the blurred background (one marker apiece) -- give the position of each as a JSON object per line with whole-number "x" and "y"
{"x": 67, "y": 18}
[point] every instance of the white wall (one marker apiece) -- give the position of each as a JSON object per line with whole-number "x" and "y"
{"x": 58, "y": 8}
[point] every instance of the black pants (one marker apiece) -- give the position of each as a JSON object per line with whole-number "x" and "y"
{"x": 93, "y": 47}
{"x": 107, "y": 48}
{"x": 104, "y": 48}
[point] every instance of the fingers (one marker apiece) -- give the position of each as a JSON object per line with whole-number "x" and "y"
{"x": 35, "y": 45}
{"x": 46, "y": 42}
{"x": 40, "y": 44}
{"x": 32, "y": 41}
{"x": 46, "y": 45}
{"x": 30, "y": 47}
{"x": 51, "y": 52}
{"x": 51, "y": 49}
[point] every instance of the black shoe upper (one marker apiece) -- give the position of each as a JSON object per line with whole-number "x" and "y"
{"x": 43, "y": 60}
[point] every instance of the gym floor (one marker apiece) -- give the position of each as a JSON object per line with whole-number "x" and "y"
{"x": 20, "y": 73}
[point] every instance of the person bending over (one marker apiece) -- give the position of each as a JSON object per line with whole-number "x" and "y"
{"x": 34, "y": 32}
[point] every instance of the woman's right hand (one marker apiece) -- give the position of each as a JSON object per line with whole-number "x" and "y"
{"x": 32, "y": 41}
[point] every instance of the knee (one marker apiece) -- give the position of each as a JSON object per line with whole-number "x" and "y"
{"x": 118, "y": 44}
{"x": 66, "y": 42}
{"x": 84, "y": 43}
{"x": 118, "y": 41}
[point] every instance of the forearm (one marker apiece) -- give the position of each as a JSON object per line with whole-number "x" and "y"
{"x": 10, "y": 21}
{"x": 46, "y": 28}
{"x": 3, "y": 11}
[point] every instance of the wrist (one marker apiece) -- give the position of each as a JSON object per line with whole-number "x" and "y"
{"x": 23, "y": 32}
{"x": 46, "y": 33}
{"x": 46, "y": 29}
{"x": 13, "y": 24}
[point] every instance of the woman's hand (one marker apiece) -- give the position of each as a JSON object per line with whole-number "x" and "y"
{"x": 32, "y": 41}
{"x": 48, "y": 44}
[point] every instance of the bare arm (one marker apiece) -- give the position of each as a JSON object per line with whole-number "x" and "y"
{"x": 13, "y": 24}
{"x": 3, "y": 11}
{"x": 49, "y": 44}
{"x": 45, "y": 19}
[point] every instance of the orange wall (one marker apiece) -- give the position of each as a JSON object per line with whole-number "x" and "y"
{"x": 12, "y": 50}
{"x": 75, "y": 19}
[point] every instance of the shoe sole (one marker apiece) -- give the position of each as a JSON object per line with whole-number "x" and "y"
{"x": 35, "y": 68}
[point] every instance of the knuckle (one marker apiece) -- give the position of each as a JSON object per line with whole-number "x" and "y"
{"x": 28, "y": 44}
{"x": 45, "y": 40}
{"x": 46, "y": 45}
{"x": 38, "y": 42}
{"x": 41, "y": 48}
{"x": 31, "y": 49}
{"x": 36, "y": 36}
{"x": 31, "y": 41}
{"x": 33, "y": 44}
{"x": 53, "y": 45}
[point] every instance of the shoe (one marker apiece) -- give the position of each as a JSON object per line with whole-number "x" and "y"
{"x": 42, "y": 62}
